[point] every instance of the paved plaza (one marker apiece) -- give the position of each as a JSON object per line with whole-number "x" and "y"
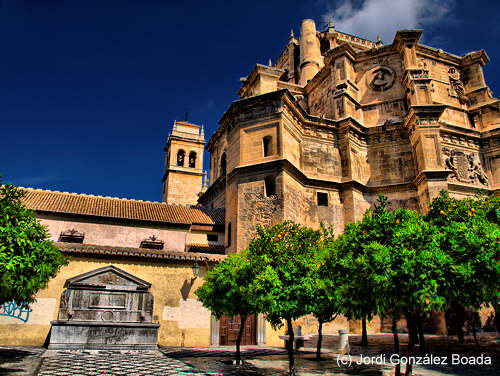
{"x": 104, "y": 363}
{"x": 258, "y": 361}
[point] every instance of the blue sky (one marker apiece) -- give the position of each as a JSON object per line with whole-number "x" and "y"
{"x": 89, "y": 88}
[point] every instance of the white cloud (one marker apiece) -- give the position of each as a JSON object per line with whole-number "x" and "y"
{"x": 385, "y": 17}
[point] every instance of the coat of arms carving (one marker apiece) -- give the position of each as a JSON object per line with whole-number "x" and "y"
{"x": 465, "y": 168}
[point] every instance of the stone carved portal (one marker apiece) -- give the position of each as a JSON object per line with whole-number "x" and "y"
{"x": 106, "y": 308}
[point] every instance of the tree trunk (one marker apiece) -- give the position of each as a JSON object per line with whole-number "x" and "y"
{"x": 412, "y": 338}
{"x": 364, "y": 334}
{"x": 396, "y": 342}
{"x": 411, "y": 323}
{"x": 474, "y": 334}
{"x": 238, "y": 340}
{"x": 459, "y": 313}
{"x": 421, "y": 336}
{"x": 290, "y": 349}
{"x": 496, "y": 320}
{"x": 412, "y": 330}
{"x": 320, "y": 339}
{"x": 409, "y": 368}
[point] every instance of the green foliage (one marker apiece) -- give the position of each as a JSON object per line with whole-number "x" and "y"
{"x": 445, "y": 209}
{"x": 358, "y": 264}
{"x": 325, "y": 299}
{"x": 402, "y": 262}
{"x": 228, "y": 287}
{"x": 285, "y": 286}
{"x": 418, "y": 266}
{"x": 27, "y": 259}
{"x": 469, "y": 235}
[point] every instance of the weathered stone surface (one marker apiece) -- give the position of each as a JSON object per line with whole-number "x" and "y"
{"x": 105, "y": 308}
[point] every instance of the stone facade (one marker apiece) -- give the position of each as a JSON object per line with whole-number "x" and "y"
{"x": 339, "y": 119}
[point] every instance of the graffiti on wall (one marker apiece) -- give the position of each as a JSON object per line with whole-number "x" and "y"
{"x": 16, "y": 311}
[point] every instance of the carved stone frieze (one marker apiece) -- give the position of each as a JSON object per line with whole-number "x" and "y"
{"x": 460, "y": 140}
{"x": 464, "y": 167}
{"x": 255, "y": 113}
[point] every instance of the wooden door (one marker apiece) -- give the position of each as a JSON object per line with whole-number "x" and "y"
{"x": 229, "y": 328}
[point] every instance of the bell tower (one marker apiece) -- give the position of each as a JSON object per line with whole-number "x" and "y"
{"x": 183, "y": 172}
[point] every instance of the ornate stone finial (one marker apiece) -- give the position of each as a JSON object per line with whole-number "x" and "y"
{"x": 331, "y": 27}
{"x": 270, "y": 63}
{"x": 205, "y": 181}
{"x": 379, "y": 41}
{"x": 292, "y": 35}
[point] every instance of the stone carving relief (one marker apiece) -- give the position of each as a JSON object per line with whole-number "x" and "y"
{"x": 381, "y": 78}
{"x": 105, "y": 306}
{"x": 465, "y": 168}
{"x": 457, "y": 85}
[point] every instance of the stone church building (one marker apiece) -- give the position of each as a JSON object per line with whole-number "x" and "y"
{"x": 339, "y": 119}
{"x": 314, "y": 137}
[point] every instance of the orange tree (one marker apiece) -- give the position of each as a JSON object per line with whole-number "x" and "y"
{"x": 287, "y": 280}
{"x": 27, "y": 258}
{"x": 351, "y": 264}
{"x": 387, "y": 264}
{"x": 326, "y": 303}
{"x": 229, "y": 290}
{"x": 469, "y": 234}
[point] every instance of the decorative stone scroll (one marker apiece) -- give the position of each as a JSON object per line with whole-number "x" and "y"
{"x": 465, "y": 168}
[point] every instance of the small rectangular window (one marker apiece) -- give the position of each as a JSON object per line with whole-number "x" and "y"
{"x": 212, "y": 237}
{"x": 270, "y": 186}
{"x": 322, "y": 198}
{"x": 266, "y": 145}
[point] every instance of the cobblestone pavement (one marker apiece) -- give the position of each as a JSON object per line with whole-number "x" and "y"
{"x": 106, "y": 363}
{"x": 20, "y": 361}
{"x": 223, "y": 351}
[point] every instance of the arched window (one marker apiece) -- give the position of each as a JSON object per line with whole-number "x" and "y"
{"x": 266, "y": 145}
{"x": 223, "y": 164}
{"x": 192, "y": 159}
{"x": 180, "y": 157}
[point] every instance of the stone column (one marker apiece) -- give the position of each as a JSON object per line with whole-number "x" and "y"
{"x": 311, "y": 60}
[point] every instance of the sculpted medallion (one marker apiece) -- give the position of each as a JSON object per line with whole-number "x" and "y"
{"x": 381, "y": 78}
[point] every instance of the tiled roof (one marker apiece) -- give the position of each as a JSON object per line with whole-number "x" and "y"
{"x": 112, "y": 207}
{"x": 76, "y": 249}
{"x": 207, "y": 248}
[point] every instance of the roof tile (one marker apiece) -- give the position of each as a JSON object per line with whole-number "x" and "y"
{"x": 91, "y": 249}
{"x": 101, "y": 206}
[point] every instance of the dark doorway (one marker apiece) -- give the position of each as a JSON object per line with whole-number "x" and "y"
{"x": 230, "y": 326}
